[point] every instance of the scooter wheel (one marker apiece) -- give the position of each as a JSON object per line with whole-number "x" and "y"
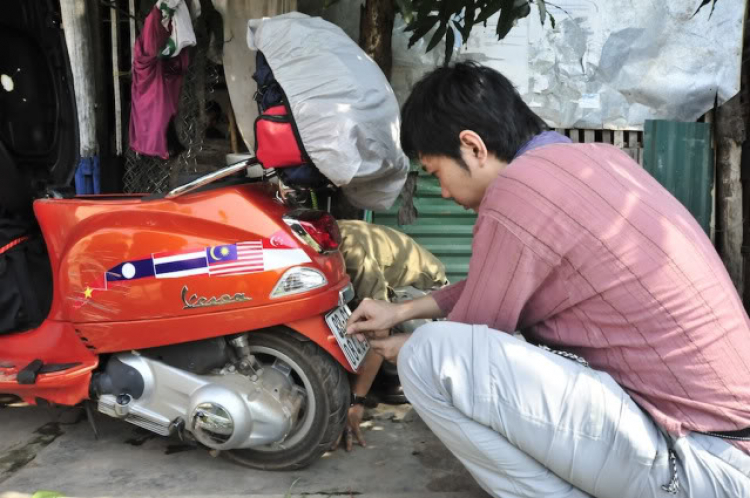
{"x": 323, "y": 415}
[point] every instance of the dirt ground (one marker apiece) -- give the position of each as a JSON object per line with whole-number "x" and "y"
{"x": 55, "y": 450}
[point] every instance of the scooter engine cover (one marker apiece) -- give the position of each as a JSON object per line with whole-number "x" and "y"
{"x": 219, "y": 418}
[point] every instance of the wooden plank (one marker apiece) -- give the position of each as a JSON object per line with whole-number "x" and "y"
{"x": 607, "y": 136}
{"x": 131, "y": 11}
{"x": 114, "y": 26}
{"x": 633, "y": 139}
{"x": 619, "y": 139}
{"x": 589, "y": 136}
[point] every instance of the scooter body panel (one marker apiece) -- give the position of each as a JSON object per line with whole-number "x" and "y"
{"x": 131, "y": 273}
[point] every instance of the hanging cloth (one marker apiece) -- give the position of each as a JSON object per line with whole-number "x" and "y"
{"x": 155, "y": 91}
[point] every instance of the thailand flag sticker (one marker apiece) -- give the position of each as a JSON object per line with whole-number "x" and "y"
{"x": 177, "y": 265}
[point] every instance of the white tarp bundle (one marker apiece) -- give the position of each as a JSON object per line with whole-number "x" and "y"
{"x": 346, "y": 112}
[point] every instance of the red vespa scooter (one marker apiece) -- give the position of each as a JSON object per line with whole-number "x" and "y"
{"x": 214, "y": 312}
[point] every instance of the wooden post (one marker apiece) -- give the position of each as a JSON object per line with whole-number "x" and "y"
{"x": 619, "y": 139}
{"x": 114, "y": 26}
{"x": 131, "y": 11}
{"x": 78, "y": 40}
{"x": 730, "y": 134}
{"x": 375, "y": 32}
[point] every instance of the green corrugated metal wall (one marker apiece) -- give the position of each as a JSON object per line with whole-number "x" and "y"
{"x": 443, "y": 227}
{"x": 680, "y": 157}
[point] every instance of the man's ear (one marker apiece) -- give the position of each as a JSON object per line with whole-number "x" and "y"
{"x": 472, "y": 146}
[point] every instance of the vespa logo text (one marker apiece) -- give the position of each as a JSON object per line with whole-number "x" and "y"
{"x": 196, "y": 301}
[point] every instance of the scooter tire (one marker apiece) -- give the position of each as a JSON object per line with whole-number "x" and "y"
{"x": 330, "y": 385}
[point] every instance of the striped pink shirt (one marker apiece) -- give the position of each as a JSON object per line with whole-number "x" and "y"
{"x": 579, "y": 247}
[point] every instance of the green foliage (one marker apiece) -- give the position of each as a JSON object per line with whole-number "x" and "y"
{"x": 460, "y": 16}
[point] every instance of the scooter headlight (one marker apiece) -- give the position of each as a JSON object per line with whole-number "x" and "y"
{"x": 297, "y": 280}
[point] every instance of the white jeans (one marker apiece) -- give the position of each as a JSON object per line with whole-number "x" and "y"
{"x": 528, "y": 423}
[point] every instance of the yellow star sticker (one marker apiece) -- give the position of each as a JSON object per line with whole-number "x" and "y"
{"x": 88, "y": 292}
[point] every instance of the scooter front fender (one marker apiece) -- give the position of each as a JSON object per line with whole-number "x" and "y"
{"x": 316, "y": 329}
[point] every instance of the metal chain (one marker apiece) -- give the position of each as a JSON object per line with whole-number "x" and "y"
{"x": 673, "y": 487}
{"x": 567, "y": 355}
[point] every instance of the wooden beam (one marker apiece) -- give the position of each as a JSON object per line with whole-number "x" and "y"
{"x": 115, "y": 30}
{"x": 730, "y": 134}
{"x": 619, "y": 139}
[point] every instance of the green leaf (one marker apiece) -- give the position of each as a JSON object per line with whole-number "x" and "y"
{"x": 405, "y": 7}
{"x": 439, "y": 34}
{"x": 703, "y": 4}
{"x": 425, "y": 8}
{"x": 460, "y": 29}
{"x": 509, "y": 16}
{"x": 505, "y": 23}
{"x": 471, "y": 12}
{"x": 450, "y": 40}
{"x": 422, "y": 27}
{"x": 542, "y": 10}
{"x": 490, "y": 9}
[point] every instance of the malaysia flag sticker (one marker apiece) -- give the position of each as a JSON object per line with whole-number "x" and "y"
{"x": 235, "y": 259}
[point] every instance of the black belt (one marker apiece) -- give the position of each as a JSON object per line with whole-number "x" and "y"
{"x": 740, "y": 434}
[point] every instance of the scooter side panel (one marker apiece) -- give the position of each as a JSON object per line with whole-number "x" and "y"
{"x": 130, "y": 260}
{"x": 108, "y": 337}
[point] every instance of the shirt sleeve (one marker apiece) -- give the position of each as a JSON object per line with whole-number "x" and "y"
{"x": 504, "y": 273}
{"x": 447, "y": 297}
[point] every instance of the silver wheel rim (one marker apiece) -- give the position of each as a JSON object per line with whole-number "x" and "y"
{"x": 302, "y": 428}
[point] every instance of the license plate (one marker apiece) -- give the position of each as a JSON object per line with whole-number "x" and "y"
{"x": 354, "y": 351}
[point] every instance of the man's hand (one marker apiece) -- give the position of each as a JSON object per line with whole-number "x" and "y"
{"x": 352, "y": 429}
{"x": 389, "y": 347}
{"x": 373, "y": 316}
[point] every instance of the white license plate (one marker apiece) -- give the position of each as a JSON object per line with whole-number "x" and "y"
{"x": 354, "y": 351}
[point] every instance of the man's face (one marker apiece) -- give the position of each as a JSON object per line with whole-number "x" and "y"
{"x": 456, "y": 182}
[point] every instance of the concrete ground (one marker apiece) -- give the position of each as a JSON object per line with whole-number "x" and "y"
{"x": 55, "y": 450}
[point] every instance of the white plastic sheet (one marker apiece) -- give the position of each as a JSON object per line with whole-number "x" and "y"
{"x": 346, "y": 111}
{"x": 605, "y": 64}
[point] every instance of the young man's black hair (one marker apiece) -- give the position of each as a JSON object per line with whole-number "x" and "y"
{"x": 466, "y": 96}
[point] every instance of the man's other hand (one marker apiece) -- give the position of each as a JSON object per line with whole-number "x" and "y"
{"x": 352, "y": 429}
{"x": 389, "y": 347}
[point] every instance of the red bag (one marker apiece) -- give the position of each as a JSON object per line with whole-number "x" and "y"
{"x": 277, "y": 141}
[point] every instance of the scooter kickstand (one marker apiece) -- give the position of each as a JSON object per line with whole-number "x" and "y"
{"x": 89, "y": 406}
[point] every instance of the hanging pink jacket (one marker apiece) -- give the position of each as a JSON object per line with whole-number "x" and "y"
{"x": 155, "y": 92}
